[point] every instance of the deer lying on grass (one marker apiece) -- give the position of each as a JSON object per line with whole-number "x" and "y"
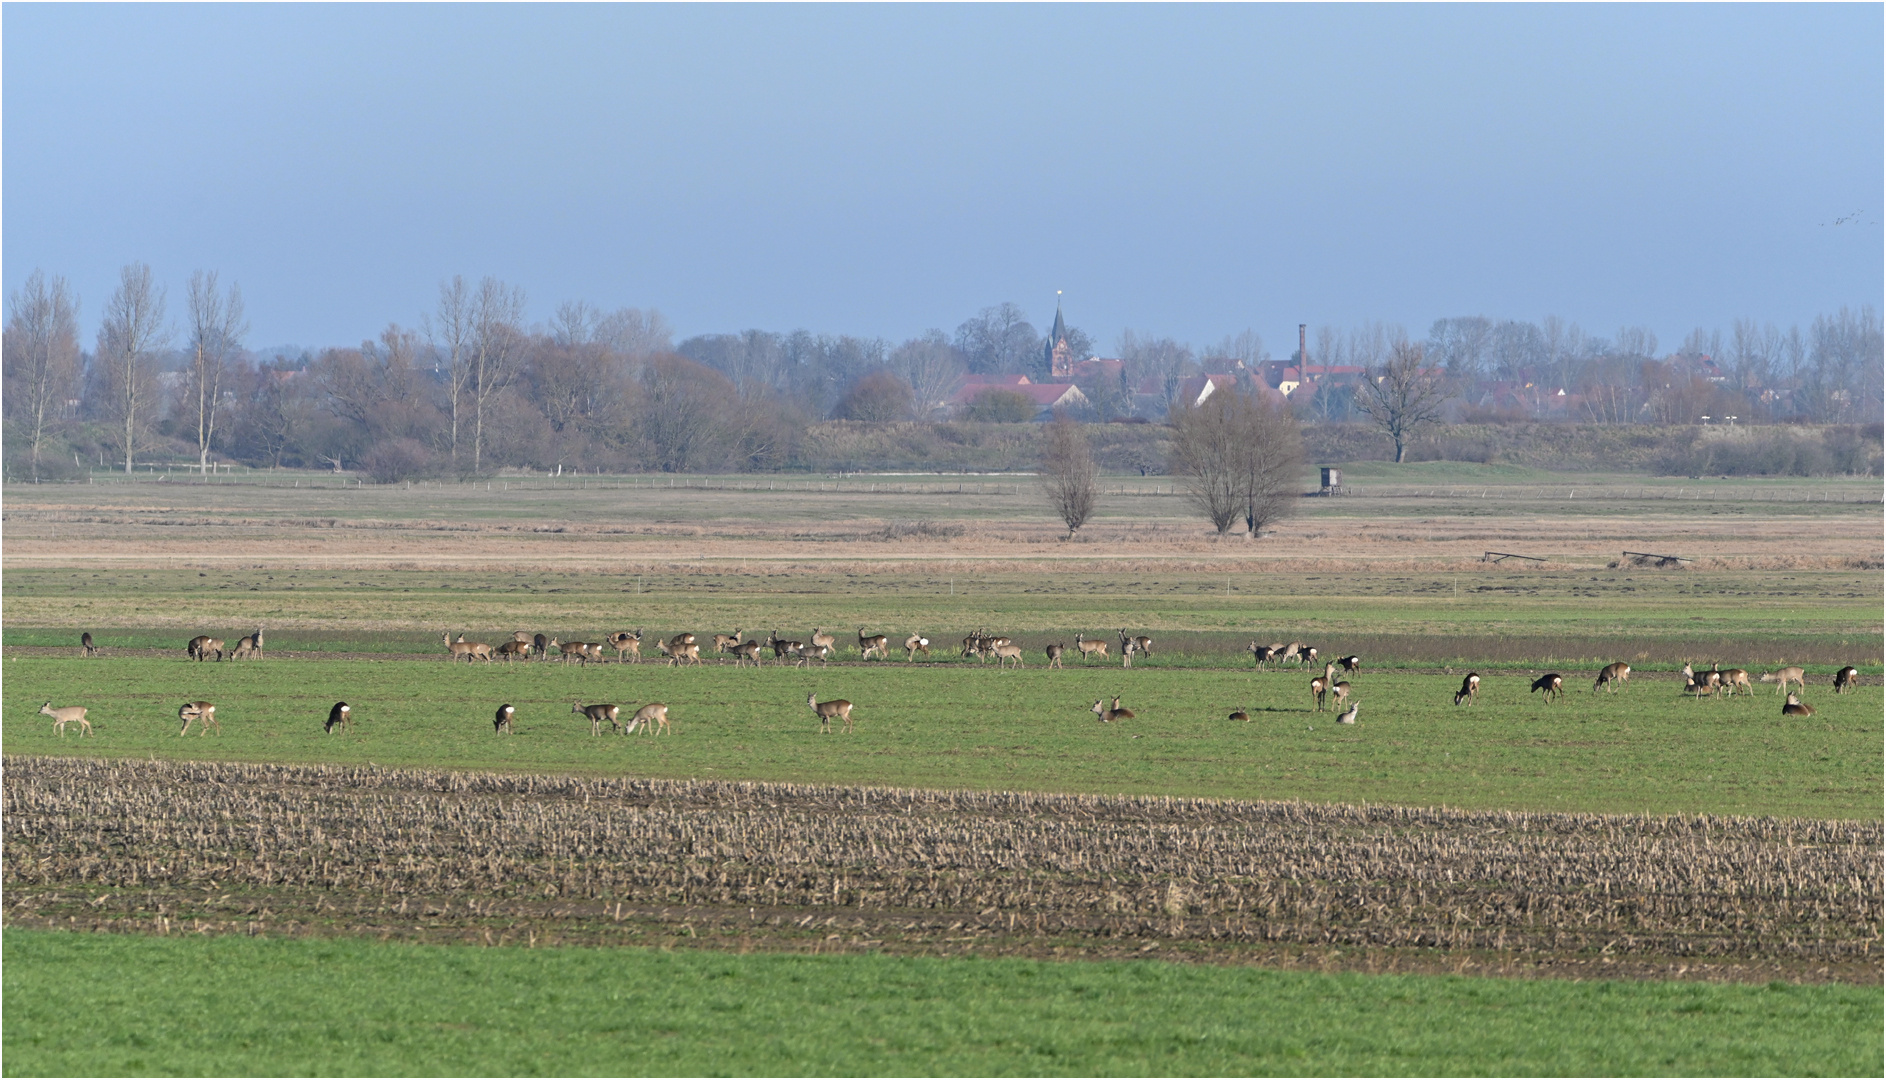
{"x": 71, "y": 714}
{"x": 502, "y": 722}
{"x": 1469, "y": 691}
{"x": 827, "y": 710}
{"x": 597, "y": 714}
{"x": 1844, "y": 680}
{"x": 202, "y": 645}
{"x": 202, "y": 712}
{"x": 1054, "y": 655}
{"x": 1109, "y": 715}
{"x": 1349, "y": 715}
{"x": 1089, "y": 647}
{"x": 1240, "y": 716}
{"x": 340, "y": 716}
{"x": 1785, "y": 676}
{"x": 1795, "y": 707}
{"x": 626, "y": 644}
{"x": 1612, "y": 675}
{"x": 1552, "y": 684}
{"x": 652, "y": 717}
{"x": 470, "y": 650}
{"x": 873, "y": 643}
{"x": 248, "y": 647}
{"x": 914, "y": 644}
{"x": 86, "y": 648}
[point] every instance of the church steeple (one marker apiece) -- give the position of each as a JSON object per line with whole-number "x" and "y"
{"x": 1060, "y": 355}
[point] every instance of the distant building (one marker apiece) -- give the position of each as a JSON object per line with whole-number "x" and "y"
{"x": 1046, "y": 397}
{"x": 1060, "y": 355}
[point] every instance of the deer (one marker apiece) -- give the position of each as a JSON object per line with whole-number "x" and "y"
{"x": 1319, "y": 692}
{"x": 541, "y": 646}
{"x": 506, "y": 714}
{"x": 1348, "y": 716}
{"x": 972, "y": 646}
{"x": 470, "y": 650}
{"x": 827, "y": 710}
{"x": 1107, "y": 714}
{"x": 626, "y": 644}
{"x": 1339, "y": 691}
{"x": 1142, "y": 645}
{"x": 70, "y": 714}
{"x": 1844, "y": 680}
{"x": 1698, "y": 688}
{"x": 824, "y": 640}
{"x": 1004, "y": 653}
{"x": 808, "y": 653}
{"x": 597, "y": 714}
{"x": 746, "y": 652}
{"x": 1796, "y": 707}
{"x": 1351, "y": 665}
{"x": 1735, "y": 677}
{"x": 86, "y": 648}
{"x": 873, "y": 643}
{"x": 1612, "y": 675}
{"x": 677, "y": 652}
{"x": 1309, "y": 654}
{"x": 1054, "y": 654}
{"x": 1260, "y": 654}
{"x": 1785, "y": 676}
{"x": 571, "y": 650}
{"x": 202, "y": 645}
{"x": 1551, "y": 684}
{"x": 782, "y": 648}
{"x": 914, "y": 644}
{"x": 1089, "y": 647}
{"x": 652, "y": 717}
{"x": 248, "y": 647}
{"x": 1710, "y": 680}
{"x": 1287, "y": 653}
{"x": 340, "y": 716}
{"x": 202, "y": 712}
{"x": 1469, "y": 691}
{"x": 521, "y": 635}
{"x": 725, "y": 643}
{"x": 1240, "y": 716}
{"x": 514, "y": 650}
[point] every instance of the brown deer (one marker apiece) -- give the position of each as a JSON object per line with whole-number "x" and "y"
{"x": 470, "y": 650}
{"x": 746, "y": 652}
{"x": 652, "y": 717}
{"x": 514, "y": 650}
{"x": 1240, "y": 716}
{"x": 725, "y": 643}
{"x": 1612, "y": 675}
{"x": 86, "y": 648}
{"x": 1089, "y": 647}
{"x": 1005, "y": 653}
{"x": 914, "y": 644}
{"x": 1844, "y": 680}
{"x": 1735, "y": 677}
{"x": 626, "y": 644}
{"x": 783, "y": 648}
{"x": 506, "y": 714}
{"x": 1260, "y": 654}
{"x": 1350, "y": 664}
{"x": 1785, "y": 676}
{"x": 873, "y": 643}
{"x": 1054, "y": 655}
{"x": 1289, "y": 652}
{"x": 1130, "y": 645}
{"x": 597, "y": 714}
{"x": 1319, "y": 692}
{"x": 1109, "y": 715}
{"x": 70, "y": 714}
{"x": 808, "y": 653}
{"x": 202, "y": 645}
{"x": 1348, "y": 716}
{"x": 1551, "y": 684}
{"x": 824, "y": 640}
{"x": 1339, "y": 691}
{"x": 827, "y": 710}
{"x": 202, "y": 712}
{"x": 340, "y": 716}
{"x": 248, "y": 647}
{"x": 1469, "y": 691}
{"x": 678, "y": 652}
{"x": 1795, "y": 707}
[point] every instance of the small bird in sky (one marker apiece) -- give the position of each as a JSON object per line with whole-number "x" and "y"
{"x": 1855, "y": 216}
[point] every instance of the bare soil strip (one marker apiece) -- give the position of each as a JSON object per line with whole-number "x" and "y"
{"x": 169, "y": 847}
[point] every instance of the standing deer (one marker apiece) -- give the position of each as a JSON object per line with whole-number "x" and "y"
{"x": 1612, "y": 675}
{"x": 541, "y": 646}
{"x": 86, "y": 648}
{"x": 1339, "y": 691}
{"x": 724, "y": 643}
{"x": 1844, "y": 680}
{"x": 1734, "y": 677}
{"x": 1350, "y": 664}
{"x": 571, "y": 650}
{"x": 1551, "y": 684}
{"x": 873, "y": 643}
{"x": 746, "y": 652}
{"x": 70, "y": 714}
{"x": 827, "y": 710}
{"x": 202, "y": 712}
{"x": 1795, "y": 707}
{"x": 502, "y": 722}
{"x": 1109, "y": 715}
{"x": 914, "y": 644}
{"x": 1785, "y": 676}
{"x": 1287, "y": 653}
{"x": 470, "y": 650}
{"x": 653, "y": 718}
{"x": 1319, "y": 692}
{"x": 1469, "y": 691}
{"x": 1260, "y": 654}
{"x": 514, "y": 650}
{"x": 597, "y": 714}
{"x": 1709, "y": 681}
{"x": 677, "y": 652}
{"x": 340, "y": 716}
{"x": 783, "y": 648}
{"x": 202, "y": 645}
{"x": 626, "y": 644}
{"x": 248, "y": 647}
{"x": 824, "y": 640}
{"x": 808, "y": 653}
{"x": 1089, "y": 647}
{"x": 1054, "y": 655}
{"x": 1005, "y": 653}
{"x": 1130, "y": 645}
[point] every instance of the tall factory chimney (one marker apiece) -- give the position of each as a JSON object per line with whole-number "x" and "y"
{"x": 1303, "y": 347}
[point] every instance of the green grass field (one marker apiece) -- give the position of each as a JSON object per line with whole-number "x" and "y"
{"x": 1645, "y": 749}
{"x": 113, "y": 1005}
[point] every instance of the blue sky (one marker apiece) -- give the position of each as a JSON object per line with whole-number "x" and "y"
{"x": 1186, "y": 171}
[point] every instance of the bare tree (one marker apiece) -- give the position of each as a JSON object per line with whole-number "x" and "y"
{"x": 132, "y": 331}
{"x": 216, "y": 329}
{"x": 633, "y": 333}
{"x": 1241, "y": 456}
{"x": 1068, "y": 474}
{"x": 1403, "y": 395}
{"x": 451, "y": 331}
{"x": 931, "y": 367}
{"x": 41, "y": 357}
{"x": 500, "y": 348}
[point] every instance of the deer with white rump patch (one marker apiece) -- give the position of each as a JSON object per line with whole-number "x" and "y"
{"x": 71, "y": 714}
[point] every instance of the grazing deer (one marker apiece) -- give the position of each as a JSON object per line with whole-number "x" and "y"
{"x": 1319, "y": 692}
{"x": 514, "y": 650}
{"x": 202, "y": 712}
{"x": 70, "y": 714}
{"x": 203, "y": 645}
{"x": 1241, "y": 716}
{"x": 1054, "y": 655}
{"x": 1109, "y": 715}
{"x": 506, "y": 714}
{"x": 521, "y": 635}
{"x": 340, "y": 716}
{"x": 626, "y": 644}
{"x": 677, "y": 652}
{"x": 1469, "y": 691}
{"x": 1309, "y": 654}
{"x": 808, "y": 653}
{"x": 597, "y": 715}
{"x": 1260, "y": 654}
{"x": 914, "y": 644}
{"x": 1348, "y": 716}
{"x": 1785, "y": 676}
{"x": 826, "y": 710}
{"x": 725, "y": 643}
{"x": 746, "y": 652}
{"x": 1612, "y": 675}
{"x": 1795, "y": 707}
{"x": 873, "y": 643}
{"x": 1287, "y": 653}
{"x": 653, "y": 718}
{"x": 824, "y": 640}
{"x": 972, "y": 646}
{"x": 571, "y": 650}
{"x": 1551, "y": 684}
{"x": 1734, "y": 677}
{"x": 1005, "y": 653}
{"x": 86, "y": 648}
{"x": 470, "y": 650}
{"x": 1844, "y": 680}
{"x": 684, "y": 639}
{"x": 1089, "y": 647}
{"x": 783, "y": 648}
{"x": 1350, "y": 664}
{"x": 1710, "y": 680}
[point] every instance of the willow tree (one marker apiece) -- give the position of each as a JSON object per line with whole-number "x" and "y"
{"x": 1240, "y": 457}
